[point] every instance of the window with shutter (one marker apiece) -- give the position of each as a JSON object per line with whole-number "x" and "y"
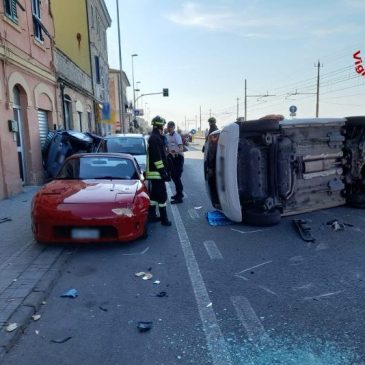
{"x": 37, "y": 20}
{"x": 11, "y": 10}
{"x": 97, "y": 69}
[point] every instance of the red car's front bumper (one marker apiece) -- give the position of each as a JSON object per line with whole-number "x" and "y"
{"x": 58, "y": 224}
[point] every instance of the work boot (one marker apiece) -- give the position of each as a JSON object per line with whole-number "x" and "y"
{"x": 152, "y": 216}
{"x": 163, "y": 214}
{"x": 176, "y": 201}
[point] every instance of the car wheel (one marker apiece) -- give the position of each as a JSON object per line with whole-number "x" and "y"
{"x": 261, "y": 218}
{"x": 260, "y": 126}
{"x": 145, "y": 232}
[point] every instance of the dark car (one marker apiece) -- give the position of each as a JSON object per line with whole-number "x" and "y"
{"x": 62, "y": 144}
{"x": 257, "y": 171}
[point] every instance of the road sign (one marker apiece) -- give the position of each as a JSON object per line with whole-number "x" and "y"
{"x": 293, "y": 109}
{"x": 193, "y": 131}
{"x": 138, "y": 112}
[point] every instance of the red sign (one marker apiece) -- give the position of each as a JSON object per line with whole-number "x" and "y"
{"x": 359, "y": 68}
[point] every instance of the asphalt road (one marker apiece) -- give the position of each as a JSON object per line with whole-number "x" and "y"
{"x": 234, "y": 294}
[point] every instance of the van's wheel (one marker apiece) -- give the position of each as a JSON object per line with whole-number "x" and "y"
{"x": 355, "y": 121}
{"x": 261, "y": 218}
{"x": 356, "y": 201}
{"x": 265, "y": 125}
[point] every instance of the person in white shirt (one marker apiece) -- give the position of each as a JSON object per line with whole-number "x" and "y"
{"x": 175, "y": 158}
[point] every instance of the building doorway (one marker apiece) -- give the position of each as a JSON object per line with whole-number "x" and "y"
{"x": 19, "y": 135}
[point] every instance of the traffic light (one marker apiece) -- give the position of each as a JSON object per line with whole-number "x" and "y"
{"x": 165, "y": 92}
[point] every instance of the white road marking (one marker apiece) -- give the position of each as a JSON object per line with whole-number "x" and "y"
{"x": 305, "y": 286}
{"x": 137, "y": 253}
{"x": 267, "y": 290}
{"x": 246, "y": 232}
{"x": 324, "y": 295}
{"x": 214, "y": 337}
{"x": 250, "y": 268}
{"x": 213, "y": 250}
{"x": 193, "y": 214}
{"x": 254, "y": 328}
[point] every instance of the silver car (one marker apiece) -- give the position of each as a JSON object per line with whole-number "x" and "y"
{"x": 133, "y": 144}
{"x": 258, "y": 171}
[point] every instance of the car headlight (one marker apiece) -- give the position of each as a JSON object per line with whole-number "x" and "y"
{"x": 126, "y": 212}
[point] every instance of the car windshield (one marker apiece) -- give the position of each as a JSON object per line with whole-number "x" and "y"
{"x": 131, "y": 145}
{"x": 103, "y": 167}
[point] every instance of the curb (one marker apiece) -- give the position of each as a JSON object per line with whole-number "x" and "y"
{"x": 31, "y": 304}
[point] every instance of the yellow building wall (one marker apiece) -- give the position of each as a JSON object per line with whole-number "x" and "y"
{"x": 71, "y": 31}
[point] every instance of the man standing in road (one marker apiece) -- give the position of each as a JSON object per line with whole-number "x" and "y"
{"x": 176, "y": 161}
{"x": 212, "y": 127}
{"x": 156, "y": 173}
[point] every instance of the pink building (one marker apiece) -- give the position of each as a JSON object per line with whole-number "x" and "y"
{"x": 27, "y": 91}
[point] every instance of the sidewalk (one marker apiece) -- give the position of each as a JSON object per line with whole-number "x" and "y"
{"x": 27, "y": 269}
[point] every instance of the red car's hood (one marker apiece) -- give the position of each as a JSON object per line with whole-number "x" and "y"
{"x": 90, "y": 191}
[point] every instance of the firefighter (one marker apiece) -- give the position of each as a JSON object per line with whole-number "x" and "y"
{"x": 157, "y": 173}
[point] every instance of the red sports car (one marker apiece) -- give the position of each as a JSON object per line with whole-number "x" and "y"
{"x": 94, "y": 197}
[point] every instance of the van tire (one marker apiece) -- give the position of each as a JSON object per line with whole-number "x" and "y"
{"x": 261, "y": 218}
{"x": 265, "y": 125}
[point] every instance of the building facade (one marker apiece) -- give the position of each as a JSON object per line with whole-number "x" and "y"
{"x": 75, "y": 93}
{"x": 115, "y": 86}
{"x": 98, "y": 22}
{"x": 27, "y": 92}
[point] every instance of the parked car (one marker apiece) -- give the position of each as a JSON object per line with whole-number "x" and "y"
{"x": 61, "y": 144}
{"x": 133, "y": 144}
{"x": 94, "y": 197}
{"x": 258, "y": 171}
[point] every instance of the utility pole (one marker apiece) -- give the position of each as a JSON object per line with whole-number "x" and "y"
{"x": 185, "y": 122}
{"x": 253, "y": 96}
{"x": 200, "y": 118}
{"x": 121, "y": 96}
{"x": 210, "y": 113}
{"x": 245, "y": 100}
{"x": 238, "y": 107}
{"x": 317, "y": 103}
{"x": 196, "y": 122}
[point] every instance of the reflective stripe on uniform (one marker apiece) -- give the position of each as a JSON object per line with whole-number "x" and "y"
{"x": 159, "y": 164}
{"x": 153, "y": 203}
{"x": 162, "y": 205}
{"x": 153, "y": 175}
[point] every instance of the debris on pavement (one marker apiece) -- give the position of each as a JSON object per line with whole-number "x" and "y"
{"x": 36, "y": 317}
{"x": 36, "y": 332}
{"x": 304, "y": 230}
{"x": 197, "y": 208}
{"x": 337, "y": 226}
{"x": 157, "y": 282}
{"x": 162, "y": 294}
{"x": 209, "y": 305}
{"x": 44, "y": 302}
{"x": 11, "y": 327}
{"x": 144, "y": 275}
{"x": 71, "y": 293}
{"x": 63, "y": 340}
{"x": 6, "y": 219}
{"x": 144, "y": 326}
{"x": 217, "y": 218}
{"x": 103, "y": 309}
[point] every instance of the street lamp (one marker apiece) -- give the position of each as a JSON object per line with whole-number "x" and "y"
{"x": 138, "y": 89}
{"x": 134, "y": 90}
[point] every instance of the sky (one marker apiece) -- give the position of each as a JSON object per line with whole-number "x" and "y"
{"x": 203, "y": 51}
